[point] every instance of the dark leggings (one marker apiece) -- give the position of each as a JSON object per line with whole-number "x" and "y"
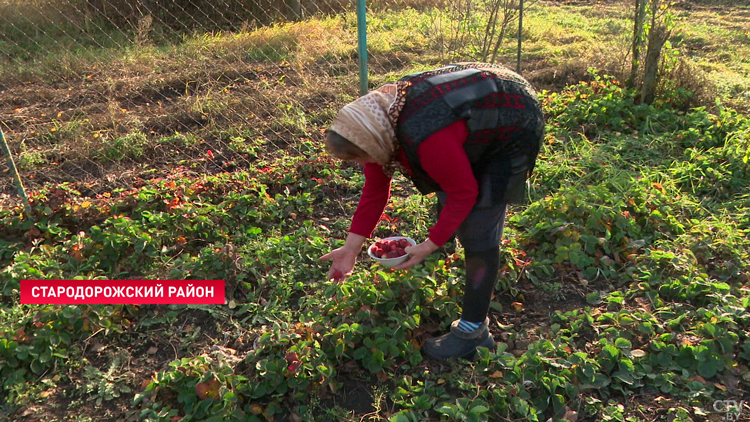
{"x": 481, "y": 276}
{"x": 480, "y": 235}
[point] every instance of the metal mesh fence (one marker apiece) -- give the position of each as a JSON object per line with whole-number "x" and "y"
{"x": 106, "y": 92}
{"x": 103, "y": 93}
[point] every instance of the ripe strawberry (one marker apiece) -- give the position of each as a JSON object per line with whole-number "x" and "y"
{"x": 391, "y": 248}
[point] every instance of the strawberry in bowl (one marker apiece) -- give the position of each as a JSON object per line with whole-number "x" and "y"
{"x": 389, "y": 252}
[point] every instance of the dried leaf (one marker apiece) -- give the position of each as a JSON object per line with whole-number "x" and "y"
{"x": 415, "y": 344}
{"x": 582, "y": 279}
{"x": 208, "y": 389}
{"x": 729, "y": 380}
{"x": 698, "y": 378}
{"x": 637, "y": 353}
{"x": 699, "y": 412}
{"x": 256, "y": 409}
{"x": 97, "y": 347}
{"x": 570, "y": 415}
{"x": 497, "y": 374}
{"x": 201, "y": 389}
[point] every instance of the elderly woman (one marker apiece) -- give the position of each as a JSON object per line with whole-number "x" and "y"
{"x": 471, "y": 133}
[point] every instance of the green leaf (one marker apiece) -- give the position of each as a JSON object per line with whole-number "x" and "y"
{"x": 710, "y": 368}
{"x": 626, "y": 365}
{"x": 593, "y": 298}
{"x": 230, "y": 397}
{"x": 402, "y": 417}
{"x": 45, "y": 356}
{"x": 69, "y": 312}
{"x": 588, "y": 370}
{"x": 645, "y": 328}
{"x": 360, "y": 353}
{"x": 625, "y": 377}
{"x": 37, "y": 367}
{"x": 520, "y": 406}
{"x": 447, "y": 409}
{"x": 623, "y": 343}
{"x": 610, "y": 351}
{"x": 600, "y": 381}
{"x": 54, "y": 339}
{"x": 663, "y": 359}
{"x": 571, "y": 390}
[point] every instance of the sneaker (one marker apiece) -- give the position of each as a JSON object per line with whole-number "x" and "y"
{"x": 459, "y": 344}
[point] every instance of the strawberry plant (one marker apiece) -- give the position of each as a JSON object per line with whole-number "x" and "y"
{"x": 202, "y": 388}
{"x": 624, "y": 278}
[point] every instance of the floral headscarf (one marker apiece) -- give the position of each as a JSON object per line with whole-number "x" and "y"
{"x": 369, "y": 122}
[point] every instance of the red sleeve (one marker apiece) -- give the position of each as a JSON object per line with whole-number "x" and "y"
{"x": 443, "y": 157}
{"x": 375, "y": 195}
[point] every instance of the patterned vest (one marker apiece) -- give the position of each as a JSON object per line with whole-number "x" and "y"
{"x": 504, "y": 118}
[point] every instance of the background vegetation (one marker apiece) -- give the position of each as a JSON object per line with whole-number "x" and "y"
{"x": 156, "y": 150}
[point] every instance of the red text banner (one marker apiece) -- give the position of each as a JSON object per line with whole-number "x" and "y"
{"x": 135, "y": 292}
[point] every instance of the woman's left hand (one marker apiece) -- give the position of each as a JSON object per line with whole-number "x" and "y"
{"x": 418, "y": 253}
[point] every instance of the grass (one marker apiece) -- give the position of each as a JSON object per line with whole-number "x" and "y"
{"x": 624, "y": 285}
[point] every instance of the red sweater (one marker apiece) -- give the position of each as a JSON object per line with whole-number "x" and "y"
{"x": 442, "y": 156}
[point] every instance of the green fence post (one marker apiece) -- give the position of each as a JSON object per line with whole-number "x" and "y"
{"x": 362, "y": 38}
{"x": 520, "y": 36}
{"x": 16, "y": 176}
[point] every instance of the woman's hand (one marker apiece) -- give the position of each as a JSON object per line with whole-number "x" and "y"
{"x": 342, "y": 265}
{"x": 344, "y": 258}
{"x": 418, "y": 253}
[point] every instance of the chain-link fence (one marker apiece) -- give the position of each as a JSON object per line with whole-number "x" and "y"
{"x": 102, "y": 93}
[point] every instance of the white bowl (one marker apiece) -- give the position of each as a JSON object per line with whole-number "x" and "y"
{"x": 391, "y": 262}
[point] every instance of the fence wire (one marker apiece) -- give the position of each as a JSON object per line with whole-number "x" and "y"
{"x": 104, "y": 93}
